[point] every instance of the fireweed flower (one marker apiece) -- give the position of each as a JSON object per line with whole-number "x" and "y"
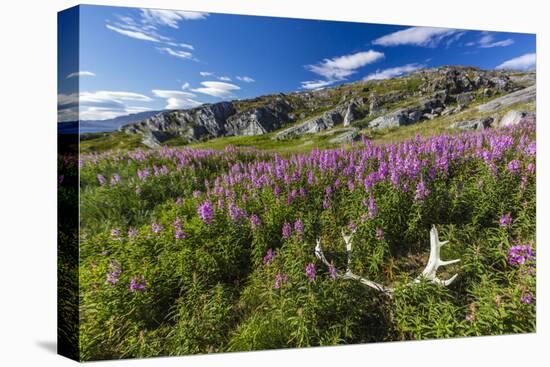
{"x": 287, "y": 231}
{"x": 506, "y": 220}
{"x": 156, "y": 228}
{"x": 255, "y": 221}
{"x": 179, "y": 234}
{"x": 421, "y": 191}
{"x": 513, "y": 166}
{"x": 137, "y": 284}
{"x": 526, "y": 298}
{"x": 132, "y": 232}
{"x": 372, "y": 208}
{"x": 115, "y": 233}
{"x": 269, "y": 256}
{"x": 352, "y": 226}
{"x": 310, "y": 271}
{"x": 332, "y": 271}
{"x": 112, "y": 277}
{"x": 299, "y": 228}
{"x": 179, "y": 201}
{"x": 235, "y": 212}
{"x": 279, "y": 280}
{"x": 520, "y": 255}
{"x": 205, "y": 211}
{"x": 115, "y": 179}
{"x": 101, "y": 179}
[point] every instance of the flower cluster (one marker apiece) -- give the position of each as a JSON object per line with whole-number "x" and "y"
{"x": 521, "y": 255}
{"x": 137, "y": 284}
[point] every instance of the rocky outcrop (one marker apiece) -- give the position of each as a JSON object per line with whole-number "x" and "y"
{"x": 314, "y": 125}
{"x": 347, "y": 136}
{"x": 476, "y": 124}
{"x": 514, "y": 117}
{"x": 261, "y": 120}
{"x": 422, "y": 95}
{"x": 427, "y": 108}
{"x": 521, "y": 96}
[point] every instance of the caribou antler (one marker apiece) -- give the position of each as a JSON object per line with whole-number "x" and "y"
{"x": 429, "y": 272}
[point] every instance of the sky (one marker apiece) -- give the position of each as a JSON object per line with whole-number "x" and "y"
{"x": 133, "y": 60}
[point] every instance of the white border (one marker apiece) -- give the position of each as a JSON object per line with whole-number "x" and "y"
{"x": 28, "y": 180}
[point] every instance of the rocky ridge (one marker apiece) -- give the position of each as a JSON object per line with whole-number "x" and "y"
{"x": 377, "y": 104}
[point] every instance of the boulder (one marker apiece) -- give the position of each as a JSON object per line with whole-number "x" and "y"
{"x": 393, "y": 119}
{"x": 514, "y": 117}
{"x": 345, "y": 137}
{"x": 312, "y": 126}
{"x": 463, "y": 99}
{"x": 477, "y": 124}
{"x": 520, "y": 96}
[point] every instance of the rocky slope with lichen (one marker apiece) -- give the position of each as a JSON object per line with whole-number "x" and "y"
{"x": 377, "y": 104}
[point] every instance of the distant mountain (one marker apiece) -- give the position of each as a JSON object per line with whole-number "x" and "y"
{"x": 94, "y": 126}
{"x": 375, "y": 104}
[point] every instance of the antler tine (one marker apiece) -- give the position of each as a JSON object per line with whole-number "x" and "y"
{"x": 434, "y": 261}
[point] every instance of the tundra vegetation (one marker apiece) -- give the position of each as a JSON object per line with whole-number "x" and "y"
{"x": 210, "y": 246}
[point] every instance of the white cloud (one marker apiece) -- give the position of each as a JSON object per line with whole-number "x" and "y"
{"x": 524, "y": 62}
{"x": 206, "y": 73}
{"x": 225, "y": 78}
{"x": 217, "y": 89}
{"x": 169, "y": 18}
{"x": 185, "y": 85}
{"x": 80, "y": 73}
{"x": 111, "y": 96}
{"x": 176, "y": 99}
{"x": 488, "y": 41}
{"x": 416, "y": 36}
{"x": 177, "y": 53}
{"x": 99, "y": 105}
{"x": 393, "y": 72}
{"x": 133, "y": 34}
{"x": 339, "y": 68}
{"x": 186, "y": 45}
{"x": 317, "y": 84}
{"x": 245, "y": 79}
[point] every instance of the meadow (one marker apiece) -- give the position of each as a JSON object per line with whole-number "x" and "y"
{"x": 197, "y": 250}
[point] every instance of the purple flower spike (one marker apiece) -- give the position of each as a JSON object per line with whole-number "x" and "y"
{"x": 287, "y": 231}
{"x": 310, "y": 271}
{"x": 137, "y": 284}
{"x": 205, "y": 211}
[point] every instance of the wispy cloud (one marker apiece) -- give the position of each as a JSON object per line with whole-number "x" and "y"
{"x": 177, "y": 53}
{"x": 133, "y": 34}
{"x": 176, "y": 99}
{"x": 206, "y": 73}
{"x": 169, "y": 18}
{"x": 416, "y": 36}
{"x": 523, "y": 62}
{"x": 393, "y": 72}
{"x": 225, "y": 78}
{"x": 339, "y": 68}
{"x": 146, "y": 28}
{"x": 80, "y": 73}
{"x": 488, "y": 41}
{"x": 245, "y": 79}
{"x": 99, "y": 105}
{"x": 217, "y": 89}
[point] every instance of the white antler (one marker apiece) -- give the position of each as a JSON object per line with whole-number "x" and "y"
{"x": 434, "y": 261}
{"x": 429, "y": 272}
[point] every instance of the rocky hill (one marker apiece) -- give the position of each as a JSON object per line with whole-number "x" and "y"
{"x": 376, "y": 104}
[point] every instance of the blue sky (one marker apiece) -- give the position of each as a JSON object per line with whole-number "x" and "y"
{"x": 134, "y": 60}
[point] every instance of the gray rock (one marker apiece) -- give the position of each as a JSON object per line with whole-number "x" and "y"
{"x": 514, "y": 117}
{"x": 477, "y": 124}
{"x": 312, "y": 126}
{"x": 521, "y": 96}
{"x": 351, "y": 114}
{"x": 393, "y": 119}
{"x": 464, "y": 99}
{"x": 153, "y": 139}
{"x": 346, "y": 137}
